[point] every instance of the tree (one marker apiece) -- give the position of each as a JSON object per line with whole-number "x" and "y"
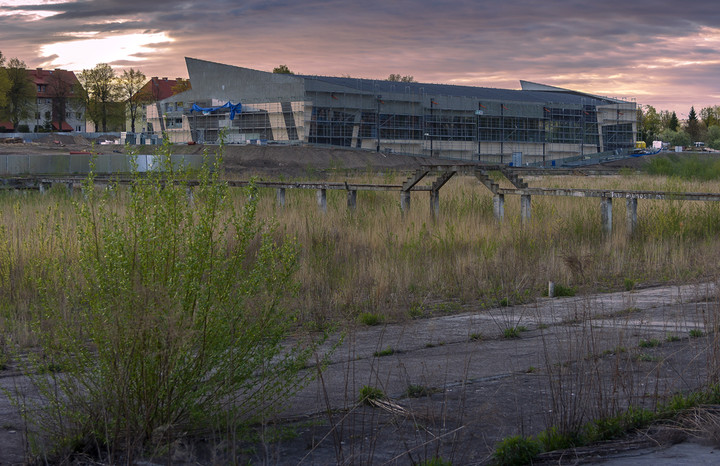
{"x": 282, "y": 69}
{"x": 181, "y": 85}
{"x": 129, "y": 85}
{"x": 60, "y": 88}
{"x": 710, "y": 116}
{"x": 674, "y": 123}
{"x": 649, "y": 123}
{"x": 693, "y": 125}
{"x": 21, "y": 93}
{"x": 100, "y": 93}
{"x": 4, "y": 83}
{"x": 400, "y": 79}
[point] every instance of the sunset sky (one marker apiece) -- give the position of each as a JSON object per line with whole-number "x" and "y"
{"x": 662, "y": 53}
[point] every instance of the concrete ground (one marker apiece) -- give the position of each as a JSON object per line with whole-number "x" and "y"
{"x": 456, "y": 385}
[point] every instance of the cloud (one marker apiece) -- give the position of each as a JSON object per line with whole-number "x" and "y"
{"x": 645, "y": 47}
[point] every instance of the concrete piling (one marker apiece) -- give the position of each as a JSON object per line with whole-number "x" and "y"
{"x": 499, "y": 207}
{"x": 606, "y": 215}
{"x": 352, "y": 199}
{"x": 631, "y": 212}
{"x": 525, "y": 209}
{"x": 321, "y": 195}
{"x": 281, "y": 197}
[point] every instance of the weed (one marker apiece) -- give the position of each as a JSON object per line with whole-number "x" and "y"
{"x": 368, "y": 393}
{"x": 671, "y": 338}
{"x": 652, "y": 343}
{"x": 696, "y": 333}
{"x": 561, "y": 290}
{"x": 531, "y": 370}
{"x": 644, "y": 357}
{"x": 476, "y": 336}
{"x": 514, "y": 332}
{"x": 418, "y": 391}
{"x": 416, "y": 311}
{"x": 629, "y": 284}
{"x": 369, "y": 319}
{"x": 516, "y": 450}
{"x": 386, "y": 352}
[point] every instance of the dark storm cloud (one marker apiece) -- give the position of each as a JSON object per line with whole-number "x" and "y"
{"x": 634, "y": 46}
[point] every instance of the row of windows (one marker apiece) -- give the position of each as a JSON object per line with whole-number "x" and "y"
{"x": 563, "y": 126}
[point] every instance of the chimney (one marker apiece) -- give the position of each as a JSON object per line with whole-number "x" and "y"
{"x": 164, "y": 78}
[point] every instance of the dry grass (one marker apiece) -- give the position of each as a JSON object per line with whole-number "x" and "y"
{"x": 380, "y": 261}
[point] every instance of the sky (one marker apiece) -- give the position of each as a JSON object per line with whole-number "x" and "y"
{"x": 657, "y": 52}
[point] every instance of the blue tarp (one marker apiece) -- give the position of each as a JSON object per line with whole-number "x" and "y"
{"x": 234, "y": 108}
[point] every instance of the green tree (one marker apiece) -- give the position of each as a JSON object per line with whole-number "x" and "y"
{"x": 400, "y": 79}
{"x": 60, "y": 88}
{"x": 282, "y": 69}
{"x": 129, "y": 85}
{"x": 713, "y": 136}
{"x": 693, "y": 125}
{"x": 710, "y": 116}
{"x": 21, "y": 94}
{"x": 674, "y": 123}
{"x": 4, "y": 83}
{"x": 100, "y": 93}
{"x": 181, "y": 85}
{"x": 649, "y": 123}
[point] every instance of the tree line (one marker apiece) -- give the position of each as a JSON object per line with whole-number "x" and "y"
{"x": 665, "y": 126}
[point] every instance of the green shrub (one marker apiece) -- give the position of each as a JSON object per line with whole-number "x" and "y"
{"x": 516, "y": 450}
{"x": 368, "y": 393}
{"x": 386, "y": 352}
{"x": 561, "y": 290}
{"x": 696, "y": 333}
{"x": 180, "y": 319}
{"x": 369, "y": 319}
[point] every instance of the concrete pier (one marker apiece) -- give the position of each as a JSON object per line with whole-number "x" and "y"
{"x": 606, "y": 215}
{"x": 321, "y": 195}
{"x": 281, "y": 197}
{"x": 525, "y": 209}
{"x": 631, "y": 213}
{"x": 352, "y": 199}
{"x": 499, "y": 207}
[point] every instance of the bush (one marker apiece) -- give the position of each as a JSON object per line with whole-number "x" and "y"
{"x": 180, "y": 320}
{"x": 517, "y": 450}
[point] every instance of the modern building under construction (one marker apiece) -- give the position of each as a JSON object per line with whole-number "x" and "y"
{"x": 540, "y": 122}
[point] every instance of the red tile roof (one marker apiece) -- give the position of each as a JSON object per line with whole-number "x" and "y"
{"x": 159, "y": 88}
{"x": 46, "y": 81}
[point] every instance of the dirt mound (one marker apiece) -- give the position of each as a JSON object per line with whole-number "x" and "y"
{"x": 66, "y": 139}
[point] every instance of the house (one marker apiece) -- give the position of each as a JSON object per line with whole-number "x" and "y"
{"x": 57, "y": 106}
{"x": 150, "y": 95}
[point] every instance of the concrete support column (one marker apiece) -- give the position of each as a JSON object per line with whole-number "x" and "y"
{"x": 499, "y": 207}
{"x": 70, "y": 186}
{"x": 405, "y": 201}
{"x": 606, "y": 215}
{"x": 190, "y": 194}
{"x": 435, "y": 204}
{"x": 352, "y": 199}
{"x": 525, "y": 209}
{"x": 44, "y": 187}
{"x": 321, "y": 195}
{"x": 281, "y": 197}
{"x": 631, "y": 208}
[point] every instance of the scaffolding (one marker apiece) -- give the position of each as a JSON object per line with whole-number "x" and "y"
{"x": 413, "y": 120}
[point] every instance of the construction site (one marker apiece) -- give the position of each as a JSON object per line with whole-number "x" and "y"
{"x": 534, "y": 125}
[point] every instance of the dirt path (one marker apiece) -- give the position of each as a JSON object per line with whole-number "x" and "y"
{"x": 575, "y": 358}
